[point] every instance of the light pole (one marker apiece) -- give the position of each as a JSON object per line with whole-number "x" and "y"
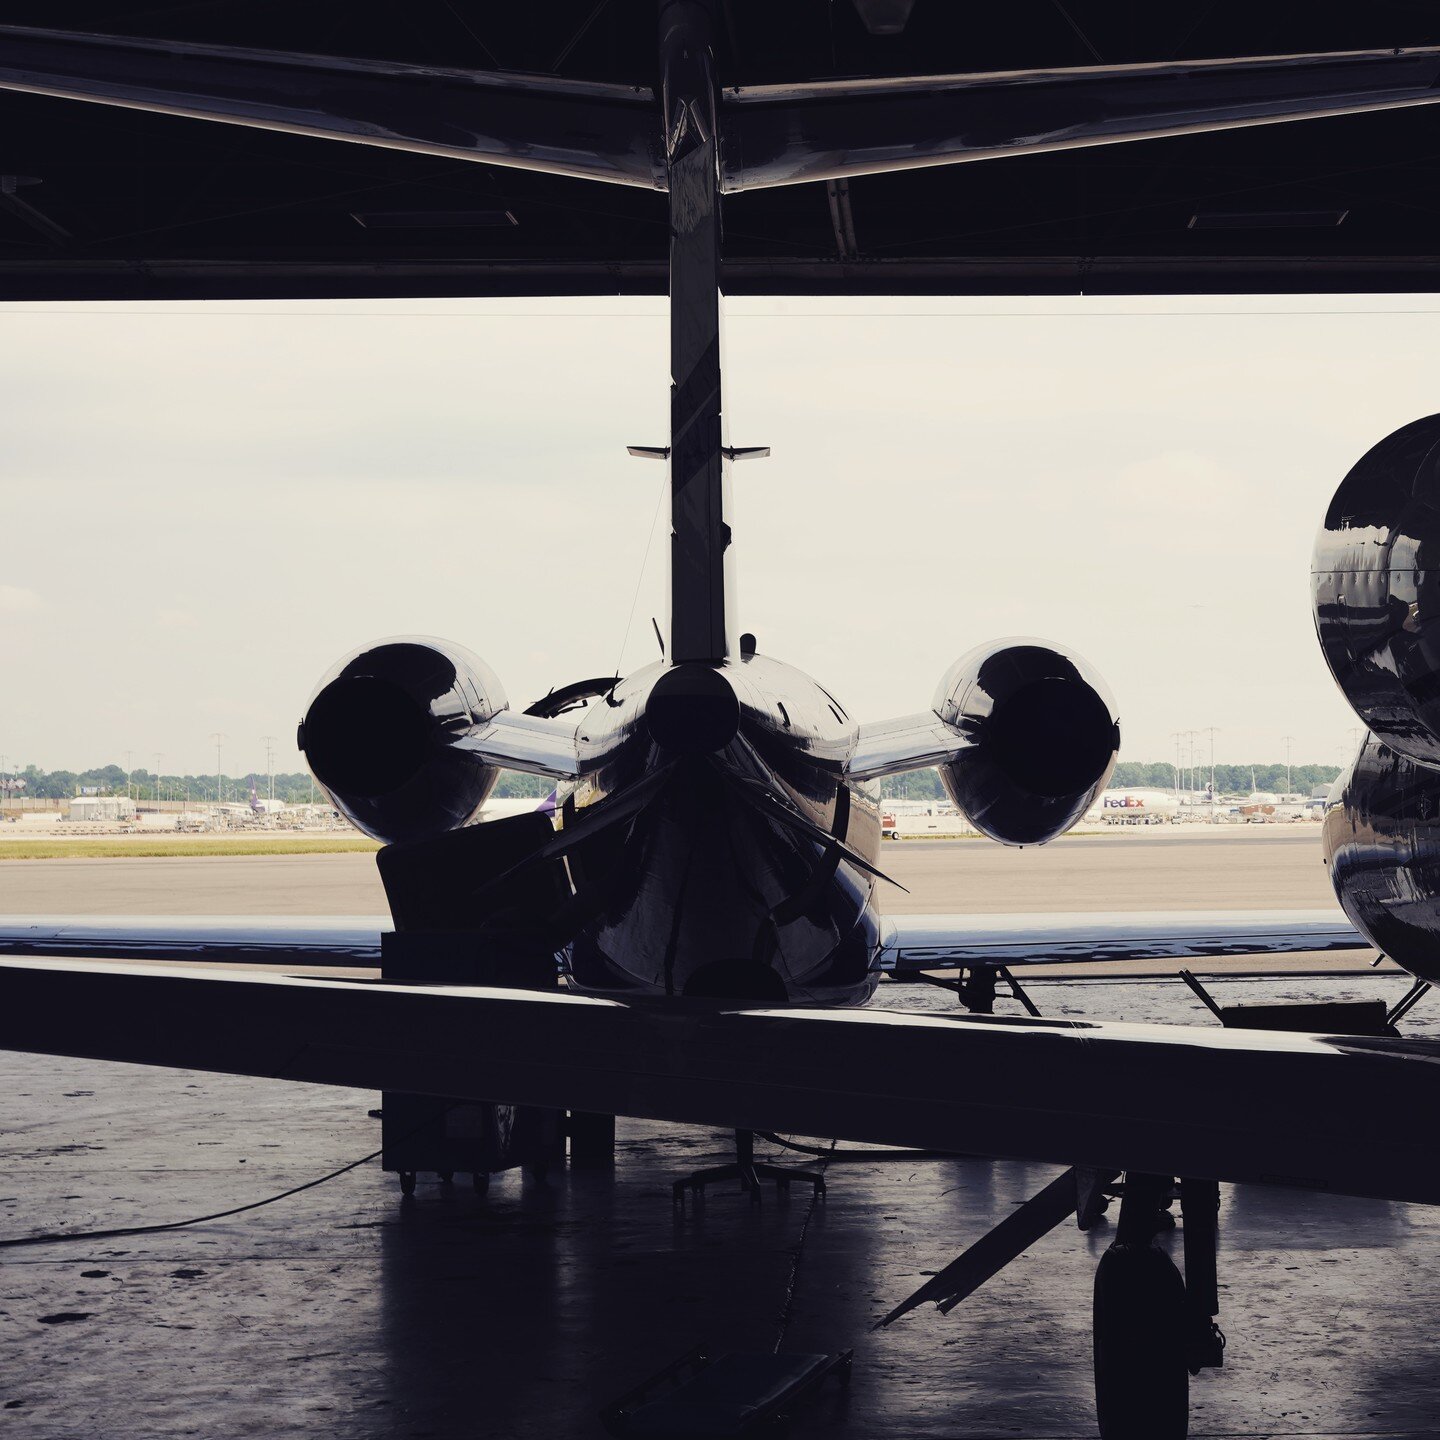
{"x": 270, "y": 765}
{"x": 1289, "y": 741}
{"x": 158, "y": 757}
{"x": 1175, "y": 736}
{"x": 1210, "y": 730}
{"x": 217, "y": 740}
{"x": 128, "y": 772}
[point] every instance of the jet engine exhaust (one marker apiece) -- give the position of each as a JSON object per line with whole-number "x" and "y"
{"x": 382, "y": 734}
{"x": 1045, "y": 736}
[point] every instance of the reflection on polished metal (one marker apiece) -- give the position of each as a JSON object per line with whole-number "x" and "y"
{"x": 1376, "y": 590}
{"x": 1376, "y": 579}
{"x": 1382, "y": 844}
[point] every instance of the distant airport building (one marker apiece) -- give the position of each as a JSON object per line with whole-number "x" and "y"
{"x": 101, "y": 807}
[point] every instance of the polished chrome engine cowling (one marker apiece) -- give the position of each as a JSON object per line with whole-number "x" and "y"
{"x": 384, "y": 735}
{"x": 1382, "y": 845}
{"x": 1376, "y": 589}
{"x": 1044, "y": 736}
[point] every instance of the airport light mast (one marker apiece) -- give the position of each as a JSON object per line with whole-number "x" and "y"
{"x": 1210, "y": 730}
{"x": 218, "y": 739}
{"x": 1289, "y": 741}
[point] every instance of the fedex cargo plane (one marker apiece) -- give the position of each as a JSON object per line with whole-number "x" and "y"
{"x": 1134, "y": 807}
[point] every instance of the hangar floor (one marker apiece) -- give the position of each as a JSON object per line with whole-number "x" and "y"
{"x": 342, "y": 1311}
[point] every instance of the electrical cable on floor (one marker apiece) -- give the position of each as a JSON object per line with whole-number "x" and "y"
{"x": 787, "y": 1308}
{"x": 60, "y": 1236}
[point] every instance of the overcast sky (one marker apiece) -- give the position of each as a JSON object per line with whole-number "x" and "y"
{"x": 206, "y": 505}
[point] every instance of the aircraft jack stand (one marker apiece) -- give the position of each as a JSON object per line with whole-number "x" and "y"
{"x": 749, "y": 1172}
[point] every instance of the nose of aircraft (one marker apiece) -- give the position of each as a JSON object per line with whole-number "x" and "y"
{"x": 691, "y": 710}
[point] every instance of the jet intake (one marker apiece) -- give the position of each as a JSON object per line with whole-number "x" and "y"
{"x": 1376, "y": 589}
{"x": 1044, "y": 737}
{"x": 383, "y": 735}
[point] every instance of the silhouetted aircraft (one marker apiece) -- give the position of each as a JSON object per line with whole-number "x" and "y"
{"x": 709, "y": 882}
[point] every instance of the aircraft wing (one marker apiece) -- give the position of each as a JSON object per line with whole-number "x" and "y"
{"x": 910, "y": 943}
{"x": 346, "y": 941}
{"x": 1351, "y": 1115}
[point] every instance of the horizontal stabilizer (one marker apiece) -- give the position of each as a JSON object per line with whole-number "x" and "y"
{"x": 770, "y": 135}
{"x": 580, "y": 128}
{"x": 833, "y": 129}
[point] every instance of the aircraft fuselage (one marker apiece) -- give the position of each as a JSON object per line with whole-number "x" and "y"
{"x": 715, "y": 888}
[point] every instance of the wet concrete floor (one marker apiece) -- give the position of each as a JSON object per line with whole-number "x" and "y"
{"x": 345, "y": 1311}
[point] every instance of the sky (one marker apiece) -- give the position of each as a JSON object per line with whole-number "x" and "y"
{"x": 207, "y": 505}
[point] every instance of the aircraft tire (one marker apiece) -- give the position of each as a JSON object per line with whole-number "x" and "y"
{"x": 1142, "y": 1386}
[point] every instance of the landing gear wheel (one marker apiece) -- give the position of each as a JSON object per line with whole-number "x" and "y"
{"x": 481, "y": 1181}
{"x": 1142, "y": 1387}
{"x": 407, "y": 1182}
{"x": 447, "y": 1177}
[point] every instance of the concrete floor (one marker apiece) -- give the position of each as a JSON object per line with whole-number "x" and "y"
{"x": 344, "y": 1312}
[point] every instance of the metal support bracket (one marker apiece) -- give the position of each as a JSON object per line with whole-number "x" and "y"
{"x": 1068, "y": 1194}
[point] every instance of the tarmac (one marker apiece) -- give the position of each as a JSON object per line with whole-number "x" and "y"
{"x": 343, "y": 1311}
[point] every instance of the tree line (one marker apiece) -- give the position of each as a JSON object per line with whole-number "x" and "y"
{"x": 297, "y": 788}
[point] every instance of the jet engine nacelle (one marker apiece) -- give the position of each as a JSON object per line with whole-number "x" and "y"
{"x": 1382, "y": 846}
{"x": 1045, "y": 736}
{"x": 384, "y": 735}
{"x": 1376, "y": 589}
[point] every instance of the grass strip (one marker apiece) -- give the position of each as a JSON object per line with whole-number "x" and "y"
{"x": 169, "y": 847}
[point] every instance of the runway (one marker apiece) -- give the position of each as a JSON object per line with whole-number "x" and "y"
{"x": 1151, "y": 869}
{"x": 342, "y": 1312}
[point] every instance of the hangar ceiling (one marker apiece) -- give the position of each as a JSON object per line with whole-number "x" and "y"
{"x": 106, "y": 203}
